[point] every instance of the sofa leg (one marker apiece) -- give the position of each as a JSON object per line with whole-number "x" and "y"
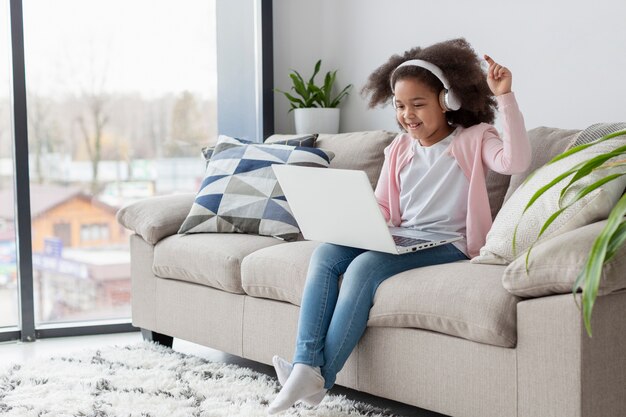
{"x": 159, "y": 338}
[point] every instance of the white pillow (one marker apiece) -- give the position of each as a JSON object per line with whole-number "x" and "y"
{"x": 594, "y": 206}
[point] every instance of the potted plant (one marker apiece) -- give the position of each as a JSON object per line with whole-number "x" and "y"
{"x": 612, "y": 236}
{"x": 315, "y": 107}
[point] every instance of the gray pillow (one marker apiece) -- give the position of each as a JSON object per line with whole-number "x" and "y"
{"x": 155, "y": 218}
{"x": 555, "y": 264}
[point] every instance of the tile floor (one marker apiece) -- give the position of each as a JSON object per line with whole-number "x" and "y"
{"x": 18, "y": 352}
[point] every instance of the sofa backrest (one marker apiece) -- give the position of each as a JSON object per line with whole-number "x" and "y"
{"x": 546, "y": 143}
{"x": 354, "y": 150}
{"x": 364, "y": 151}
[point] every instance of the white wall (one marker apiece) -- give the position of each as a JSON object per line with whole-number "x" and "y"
{"x": 568, "y": 58}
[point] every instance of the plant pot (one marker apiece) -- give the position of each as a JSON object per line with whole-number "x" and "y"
{"x": 317, "y": 120}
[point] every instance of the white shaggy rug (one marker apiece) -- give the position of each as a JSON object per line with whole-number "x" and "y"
{"x": 148, "y": 380}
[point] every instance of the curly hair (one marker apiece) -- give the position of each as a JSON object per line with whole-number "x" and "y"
{"x": 461, "y": 66}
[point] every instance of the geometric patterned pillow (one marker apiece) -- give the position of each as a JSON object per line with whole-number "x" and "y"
{"x": 240, "y": 193}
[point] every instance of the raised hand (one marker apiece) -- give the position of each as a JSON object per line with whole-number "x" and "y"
{"x": 499, "y": 78}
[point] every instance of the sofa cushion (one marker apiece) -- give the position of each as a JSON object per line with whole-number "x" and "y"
{"x": 278, "y": 272}
{"x": 459, "y": 299}
{"x": 358, "y": 150}
{"x": 555, "y": 264}
{"x": 240, "y": 193}
{"x": 211, "y": 259}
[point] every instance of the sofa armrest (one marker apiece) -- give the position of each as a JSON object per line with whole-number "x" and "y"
{"x": 156, "y": 217}
{"x": 561, "y": 371}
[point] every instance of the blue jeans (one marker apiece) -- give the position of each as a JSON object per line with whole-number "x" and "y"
{"x": 331, "y": 320}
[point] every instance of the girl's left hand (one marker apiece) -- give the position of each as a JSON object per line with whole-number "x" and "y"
{"x": 499, "y": 78}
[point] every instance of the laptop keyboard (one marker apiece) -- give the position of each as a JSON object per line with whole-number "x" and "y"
{"x": 407, "y": 241}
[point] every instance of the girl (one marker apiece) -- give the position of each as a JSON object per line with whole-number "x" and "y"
{"x": 433, "y": 178}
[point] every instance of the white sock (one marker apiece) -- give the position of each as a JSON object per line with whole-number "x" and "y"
{"x": 303, "y": 381}
{"x": 283, "y": 370}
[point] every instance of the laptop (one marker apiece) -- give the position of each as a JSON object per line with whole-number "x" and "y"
{"x": 338, "y": 206}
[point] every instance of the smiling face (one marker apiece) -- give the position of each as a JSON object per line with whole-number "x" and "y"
{"x": 418, "y": 111}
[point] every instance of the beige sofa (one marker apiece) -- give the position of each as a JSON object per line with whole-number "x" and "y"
{"x": 448, "y": 338}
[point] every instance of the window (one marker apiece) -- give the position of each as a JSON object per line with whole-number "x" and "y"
{"x": 119, "y": 106}
{"x": 8, "y": 270}
{"x": 94, "y": 232}
{"x": 121, "y": 96}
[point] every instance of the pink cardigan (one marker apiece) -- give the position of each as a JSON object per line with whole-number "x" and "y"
{"x": 474, "y": 148}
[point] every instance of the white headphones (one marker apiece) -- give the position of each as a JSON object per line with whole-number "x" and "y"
{"x": 448, "y": 100}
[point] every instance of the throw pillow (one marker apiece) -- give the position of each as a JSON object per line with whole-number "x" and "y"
{"x": 555, "y": 264}
{"x": 598, "y": 130}
{"x": 240, "y": 193}
{"x": 306, "y": 141}
{"x": 594, "y": 206}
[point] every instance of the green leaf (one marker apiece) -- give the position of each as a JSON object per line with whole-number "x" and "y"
{"x": 294, "y": 100}
{"x": 547, "y": 224}
{"x": 315, "y": 71}
{"x": 329, "y": 81}
{"x": 545, "y": 188}
{"x": 335, "y": 102}
{"x": 586, "y": 190}
{"x": 589, "y": 278}
{"x": 299, "y": 86}
{"x": 590, "y": 165}
{"x": 617, "y": 240}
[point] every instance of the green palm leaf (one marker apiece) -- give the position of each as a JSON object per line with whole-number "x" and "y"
{"x": 617, "y": 240}
{"x": 589, "y": 278}
{"x": 590, "y": 166}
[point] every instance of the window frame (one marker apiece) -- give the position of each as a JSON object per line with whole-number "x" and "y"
{"x": 257, "y": 90}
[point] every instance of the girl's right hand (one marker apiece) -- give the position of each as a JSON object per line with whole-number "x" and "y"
{"x": 499, "y": 78}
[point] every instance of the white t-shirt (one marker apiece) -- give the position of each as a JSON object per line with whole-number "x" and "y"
{"x": 433, "y": 191}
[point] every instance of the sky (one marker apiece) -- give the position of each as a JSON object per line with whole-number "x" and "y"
{"x": 147, "y": 46}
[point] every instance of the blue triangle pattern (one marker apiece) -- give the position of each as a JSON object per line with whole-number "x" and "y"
{"x": 208, "y": 180}
{"x": 247, "y": 165}
{"x": 210, "y": 201}
{"x": 282, "y": 154}
{"x": 274, "y": 211}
